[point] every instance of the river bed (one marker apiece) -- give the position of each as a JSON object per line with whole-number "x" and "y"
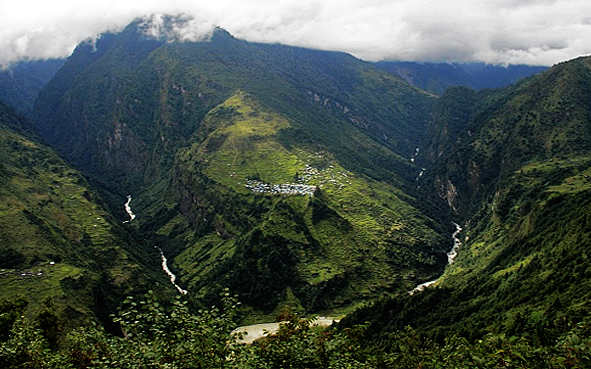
{"x": 256, "y": 331}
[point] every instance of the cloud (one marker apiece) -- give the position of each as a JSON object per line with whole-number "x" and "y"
{"x": 494, "y": 31}
{"x": 181, "y": 27}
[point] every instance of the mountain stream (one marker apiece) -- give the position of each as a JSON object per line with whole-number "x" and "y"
{"x": 451, "y": 255}
{"x": 168, "y": 272}
{"x": 171, "y": 276}
{"x": 128, "y": 210}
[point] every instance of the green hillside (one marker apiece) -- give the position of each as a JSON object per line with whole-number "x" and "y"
{"x": 277, "y": 223}
{"x": 139, "y": 99}
{"x": 520, "y": 166}
{"x": 59, "y": 243}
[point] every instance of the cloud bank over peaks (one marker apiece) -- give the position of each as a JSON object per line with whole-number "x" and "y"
{"x": 537, "y": 32}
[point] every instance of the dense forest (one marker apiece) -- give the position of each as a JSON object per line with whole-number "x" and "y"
{"x": 154, "y": 336}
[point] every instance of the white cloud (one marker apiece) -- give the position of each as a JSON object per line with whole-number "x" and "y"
{"x": 179, "y": 28}
{"x": 493, "y": 31}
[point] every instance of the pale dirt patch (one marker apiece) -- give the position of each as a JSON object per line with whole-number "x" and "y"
{"x": 256, "y": 331}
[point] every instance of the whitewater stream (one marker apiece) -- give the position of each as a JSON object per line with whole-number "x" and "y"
{"x": 171, "y": 276}
{"x": 451, "y": 255}
{"x": 169, "y": 273}
{"x": 128, "y": 210}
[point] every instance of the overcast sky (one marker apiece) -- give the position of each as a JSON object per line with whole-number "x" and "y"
{"x": 536, "y": 32}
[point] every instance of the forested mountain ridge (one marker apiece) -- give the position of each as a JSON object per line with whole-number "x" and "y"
{"x": 438, "y": 77}
{"x": 116, "y": 78}
{"x": 200, "y": 133}
{"x": 482, "y": 138}
{"x": 514, "y": 163}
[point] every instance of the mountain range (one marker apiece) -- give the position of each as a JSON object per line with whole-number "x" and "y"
{"x": 438, "y": 77}
{"x": 22, "y": 82}
{"x": 300, "y": 179}
{"x": 200, "y": 133}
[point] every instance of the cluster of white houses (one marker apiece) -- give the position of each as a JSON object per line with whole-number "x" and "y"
{"x": 280, "y": 189}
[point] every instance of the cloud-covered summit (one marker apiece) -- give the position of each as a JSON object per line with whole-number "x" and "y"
{"x": 539, "y": 32}
{"x": 180, "y": 27}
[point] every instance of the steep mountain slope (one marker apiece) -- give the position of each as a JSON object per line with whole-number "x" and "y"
{"x": 498, "y": 132}
{"x": 437, "y": 77}
{"x": 267, "y": 216}
{"x": 186, "y": 126}
{"x": 20, "y": 83}
{"x": 97, "y": 108}
{"x": 515, "y": 164}
{"x": 58, "y": 243}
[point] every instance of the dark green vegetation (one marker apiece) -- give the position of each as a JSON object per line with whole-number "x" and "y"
{"x": 159, "y": 337}
{"x": 285, "y": 175}
{"x": 438, "y": 77}
{"x": 20, "y": 83}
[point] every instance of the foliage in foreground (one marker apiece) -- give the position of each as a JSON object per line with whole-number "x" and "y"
{"x": 157, "y": 337}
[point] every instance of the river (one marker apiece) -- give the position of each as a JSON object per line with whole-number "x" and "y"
{"x": 171, "y": 276}
{"x": 451, "y": 256}
{"x": 128, "y": 210}
{"x": 256, "y": 331}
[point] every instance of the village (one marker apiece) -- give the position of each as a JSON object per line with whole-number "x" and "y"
{"x": 306, "y": 181}
{"x": 25, "y": 273}
{"x": 280, "y": 189}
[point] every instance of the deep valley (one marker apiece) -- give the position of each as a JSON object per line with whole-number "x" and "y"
{"x": 154, "y": 183}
